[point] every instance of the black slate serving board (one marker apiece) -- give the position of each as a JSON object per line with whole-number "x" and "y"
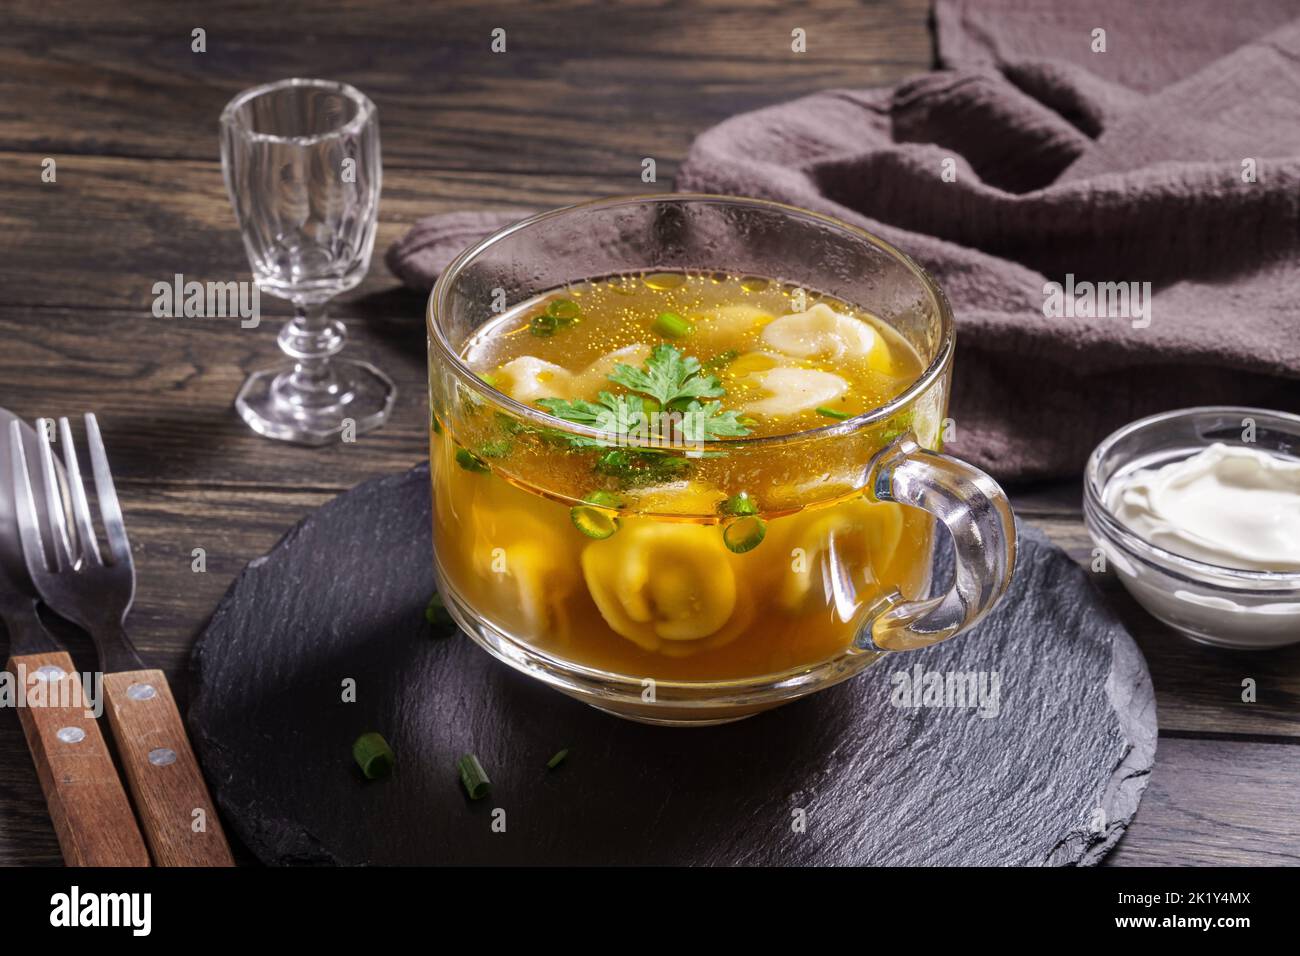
{"x": 1054, "y": 778}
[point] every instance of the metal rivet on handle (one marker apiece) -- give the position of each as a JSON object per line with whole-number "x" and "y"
{"x": 141, "y": 692}
{"x": 162, "y": 757}
{"x": 50, "y": 673}
{"x": 71, "y": 735}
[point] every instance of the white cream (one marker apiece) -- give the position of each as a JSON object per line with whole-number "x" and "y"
{"x": 1231, "y": 506}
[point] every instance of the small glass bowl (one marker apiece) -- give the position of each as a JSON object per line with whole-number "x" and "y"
{"x": 1225, "y": 607}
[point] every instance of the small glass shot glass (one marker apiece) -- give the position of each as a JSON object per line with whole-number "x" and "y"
{"x": 301, "y": 161}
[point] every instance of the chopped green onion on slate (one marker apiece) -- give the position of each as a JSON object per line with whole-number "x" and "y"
{"x": 832, "y": 413}
{"x": 744, "y": 534}
{"x": 473, "y": 777}
{"x": 673, "y": 325}
{"x": 436, "y": 612}
{"x": 557, "y": 759}
{"x": 373, "y": 756}
{"x": 470, "y": 461}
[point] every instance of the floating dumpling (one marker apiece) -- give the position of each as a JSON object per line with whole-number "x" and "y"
{"x": 589, "y": 382}
{"x": 728, "y": 322}
{"x": 790, "y": 391}
{"x": 527, "y": 379}
{"x": 822, "y": 333}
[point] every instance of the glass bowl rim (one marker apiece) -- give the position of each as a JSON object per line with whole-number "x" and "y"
{"x": 365, "y": 110}
{"x": 1120, "y": 534}
{"x": 470, "y": 379}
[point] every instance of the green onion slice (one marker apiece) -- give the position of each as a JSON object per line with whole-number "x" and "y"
{"x": 744, "y": 534}
{"x": 563, "y": 311}
{"x": 543, "y": 325}
{"x": 557, "y": 759}
{"x": 673, "y": 325}
{"x": 373, "y": 755}
{"x": 470, "y": 461}
{"x": 596, "y": 522}
{"x": 832, "y": 413}
{"x": 436, "y": 613}
{"x": 741, "y": 505}
{"x": 473, "y": 777}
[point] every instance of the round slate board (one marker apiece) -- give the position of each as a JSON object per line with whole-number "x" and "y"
{"x": 1053, "y": 778}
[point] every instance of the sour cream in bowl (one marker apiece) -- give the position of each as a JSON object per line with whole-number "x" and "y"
{"x": 1198, "y": 511}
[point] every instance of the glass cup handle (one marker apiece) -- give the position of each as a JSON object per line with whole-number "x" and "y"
{"x": 978, "y": 516}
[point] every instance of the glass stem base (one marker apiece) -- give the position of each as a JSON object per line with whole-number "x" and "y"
{"x": 318, "y": 398}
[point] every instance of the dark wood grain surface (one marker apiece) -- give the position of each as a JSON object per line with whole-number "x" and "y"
{"x": 115, "y": 96}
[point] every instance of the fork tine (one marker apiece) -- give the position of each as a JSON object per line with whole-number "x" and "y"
{"x": 109, "y": 510}
{"x": 29, "y": 528}
{"x": 62, "y": 545}
{"x": 77, "y": 491}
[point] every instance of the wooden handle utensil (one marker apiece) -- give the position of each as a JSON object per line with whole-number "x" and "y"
{"x": 176, "y": 811}
{"x": 90, "y": 811}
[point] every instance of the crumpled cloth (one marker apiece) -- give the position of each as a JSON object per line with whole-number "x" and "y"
{"x": 1035, "y": 163}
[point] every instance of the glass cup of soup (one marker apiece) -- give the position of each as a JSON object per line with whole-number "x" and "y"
{"x": 685, "y": 454}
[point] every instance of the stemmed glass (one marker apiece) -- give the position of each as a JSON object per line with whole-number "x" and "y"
{"x": 301, "y": 162}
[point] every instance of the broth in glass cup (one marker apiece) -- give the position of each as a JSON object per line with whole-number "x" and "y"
{"x": 685, "y": 455}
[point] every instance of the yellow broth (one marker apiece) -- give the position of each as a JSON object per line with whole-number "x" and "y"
{"x": 744, "y": 561}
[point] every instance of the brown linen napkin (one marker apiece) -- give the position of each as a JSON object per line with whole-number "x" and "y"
{"x": 1131, "y": 165}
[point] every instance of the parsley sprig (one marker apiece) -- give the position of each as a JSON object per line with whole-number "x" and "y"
{"x": 668, "y": 377}
{"x": 673, "y": 383}
{"x": 619, "y": 414}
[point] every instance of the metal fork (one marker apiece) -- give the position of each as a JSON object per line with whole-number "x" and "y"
{"x": 88, "y": 806}
{"x": 74, "y": 578}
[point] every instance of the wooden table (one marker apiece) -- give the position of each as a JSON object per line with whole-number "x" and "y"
{"x": 128, "y": 112}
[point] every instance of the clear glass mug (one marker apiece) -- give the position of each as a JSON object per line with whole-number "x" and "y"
{"x": 660, "y": 622}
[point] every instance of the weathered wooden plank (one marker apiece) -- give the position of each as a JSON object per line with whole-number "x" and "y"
{"x": 27, "y": 836}
{"x": 1049, "y": 499}
{"x": 569, "y": 25}
{"x": 109, "y": 228}
{"x": 1215, "y": 802}
{"x": 580, "y": 88}
{"x": 164, "y": 392}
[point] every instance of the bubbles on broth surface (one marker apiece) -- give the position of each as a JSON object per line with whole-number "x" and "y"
{"x": 718, "y": 319}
